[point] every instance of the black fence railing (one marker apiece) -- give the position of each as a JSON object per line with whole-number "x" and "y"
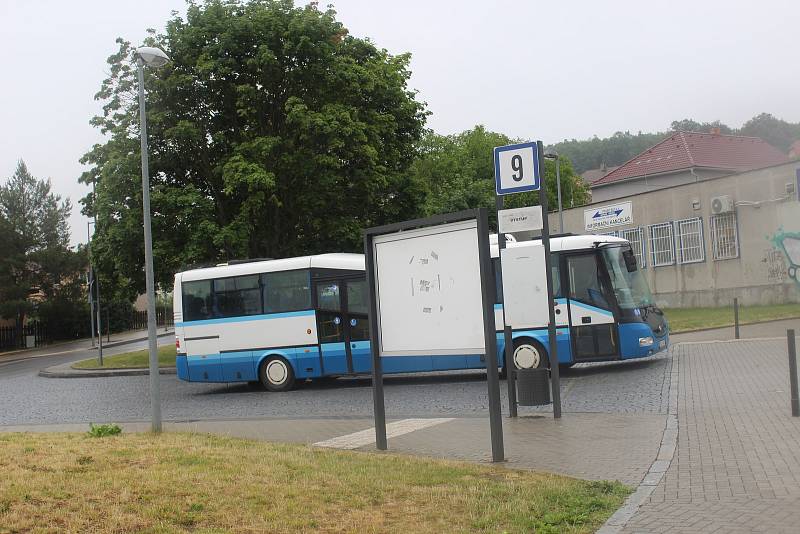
{"x": 37, "y": 333}
{"x": 164, "y": 318}
{"x": 33, "y": 334}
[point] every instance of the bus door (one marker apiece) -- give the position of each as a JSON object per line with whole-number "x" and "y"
{"x": 591, "y": 318}
{"x": 342, "y": 325}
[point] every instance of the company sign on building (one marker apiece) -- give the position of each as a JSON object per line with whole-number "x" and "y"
{"x": 598, "y": 219}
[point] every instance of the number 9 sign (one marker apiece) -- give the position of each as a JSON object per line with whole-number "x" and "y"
{"x": 516, "y": 168}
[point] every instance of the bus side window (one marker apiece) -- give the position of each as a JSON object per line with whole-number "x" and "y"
{"x": 286, "y": 291}
{"x": 584, "y": 282}
{"x": 196, "y": 300}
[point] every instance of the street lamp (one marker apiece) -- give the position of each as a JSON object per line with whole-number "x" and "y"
{"x": 153, "y": 57}
{"x": 554, "y": 155}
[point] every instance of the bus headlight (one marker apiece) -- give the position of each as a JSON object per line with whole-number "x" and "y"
{"x": 645, "y": 341}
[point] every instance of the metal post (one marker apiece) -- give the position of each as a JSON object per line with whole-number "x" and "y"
{"x": 378, "y": 407}
{"x": 490, "y": 337}
{"x": 99, "y": 324}
{"x": 551, "y": 325}
{"x": 508, "y": 351}
{"x": 558, "y": 186}
{"x": 108, "y": 326}
{"x": 90, "y": 283}
{"x": 736, "y": 318}
{"x": 155, "y": 393}
{"x": 793, "y": 373}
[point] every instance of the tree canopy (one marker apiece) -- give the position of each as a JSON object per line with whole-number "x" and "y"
{"x": 458, "y": 173}
{"x": 34, "y": 234}
{"x": 272, "y": 132}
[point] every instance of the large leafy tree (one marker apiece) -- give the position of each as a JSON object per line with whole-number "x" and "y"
{"x": 35, "y": 235}
{"x": 272, "y": 133}
{"x": 458, "y": 171}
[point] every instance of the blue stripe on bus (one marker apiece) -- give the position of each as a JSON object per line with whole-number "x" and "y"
{"x": 247, "y": 318}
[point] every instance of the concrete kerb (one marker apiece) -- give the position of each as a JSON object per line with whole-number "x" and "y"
{"x": 66, "y": 371}
{"x": 666, "y": 452}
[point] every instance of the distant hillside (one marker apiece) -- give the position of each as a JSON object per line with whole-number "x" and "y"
{"x": 622, "y": 146}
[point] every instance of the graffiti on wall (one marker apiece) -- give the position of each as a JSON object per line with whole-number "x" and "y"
{"x": 788, "y": 243}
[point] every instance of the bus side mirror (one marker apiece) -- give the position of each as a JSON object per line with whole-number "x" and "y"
{"x": 630, "y": 260}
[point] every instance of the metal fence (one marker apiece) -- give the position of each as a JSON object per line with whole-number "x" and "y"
{"x": 33, "y": 334}
{"x": 164, "y": 318}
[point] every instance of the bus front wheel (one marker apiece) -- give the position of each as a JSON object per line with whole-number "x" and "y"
{"x": 529, "y": 354}
{"x": 276, "y": 374}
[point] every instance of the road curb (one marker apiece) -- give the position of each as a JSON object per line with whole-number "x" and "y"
{"x": 60, "y": 372}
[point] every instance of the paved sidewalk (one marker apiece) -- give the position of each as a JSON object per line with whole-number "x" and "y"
{"x": 591, "y": 446}
{"x": 747, "y": 331}
{"x": 737, "y": 465}
{"x": 63, "y": 347}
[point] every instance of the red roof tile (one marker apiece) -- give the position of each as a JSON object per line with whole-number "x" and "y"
{"x": 684, "y": 150}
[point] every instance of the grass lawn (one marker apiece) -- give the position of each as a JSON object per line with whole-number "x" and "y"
{"x": 126, "y": 360}
{"x": 192, "y": 482}
{"x": 683, "y": 319}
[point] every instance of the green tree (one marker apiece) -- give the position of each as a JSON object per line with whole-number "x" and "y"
{"x": 690, "y": 125}
{"x": 776, "y": 132}
{"x": 33, "y": 221}
{"x": 615, "y": 150}
{"x": 458, "y": 173}
{"x": 272, "y": 133}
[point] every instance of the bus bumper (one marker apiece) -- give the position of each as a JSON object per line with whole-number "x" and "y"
{"x": 638, "y": 341}
{"x": 182, "y": 367}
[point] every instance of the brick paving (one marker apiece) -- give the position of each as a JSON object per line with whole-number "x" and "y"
{"x": 737, "y": 463}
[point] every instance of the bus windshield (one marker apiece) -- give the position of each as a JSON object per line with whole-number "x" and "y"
{"x": 630, "y": 288}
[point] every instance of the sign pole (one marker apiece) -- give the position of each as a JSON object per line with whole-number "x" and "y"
{"x": 508, "y": 351}
{"x": 490, "y": 337}
{"x": 551, "y": 324}
{"x": 378, "y": 407}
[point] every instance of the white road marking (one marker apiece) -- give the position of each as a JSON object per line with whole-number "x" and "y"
{"x": 367, "y": 437}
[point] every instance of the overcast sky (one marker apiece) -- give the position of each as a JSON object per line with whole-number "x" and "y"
{"x": 530, "y": 69}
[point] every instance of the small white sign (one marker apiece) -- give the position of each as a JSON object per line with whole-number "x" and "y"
{"x": 516, "y": 168}
{"x": 525, "y": 287}
{"x": 608, "y": 216}
{"x": 520, "y": 219}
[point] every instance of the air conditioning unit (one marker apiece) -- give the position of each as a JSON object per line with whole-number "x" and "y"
{"x": 721, "y": 204}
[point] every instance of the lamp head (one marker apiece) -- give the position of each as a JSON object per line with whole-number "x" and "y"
{"x": 152, "y": 56}
{"x": 551, "y": 155}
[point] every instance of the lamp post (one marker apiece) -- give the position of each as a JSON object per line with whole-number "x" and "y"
{"x": 94, "y": 289}
{"x": 554, "y": 155}
{"x": 153, "y": 57}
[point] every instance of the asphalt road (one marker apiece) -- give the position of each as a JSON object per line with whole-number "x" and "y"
{"x": 27, "y": 399}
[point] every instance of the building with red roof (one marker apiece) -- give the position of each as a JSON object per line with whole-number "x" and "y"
{"x": 686, "y": 157}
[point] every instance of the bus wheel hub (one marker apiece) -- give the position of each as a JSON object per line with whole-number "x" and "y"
{"x": 276, "y": 372}
{"x": 526, "y": 357}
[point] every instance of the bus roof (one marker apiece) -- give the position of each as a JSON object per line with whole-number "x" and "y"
{"x": 352, "y": 262}
{"x": 355, "y": 262}
{"x": 563, "y": 243}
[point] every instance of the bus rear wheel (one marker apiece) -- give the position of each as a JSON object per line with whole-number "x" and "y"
{"x": 529, "y": 354}
{"x": 276, "y": 374}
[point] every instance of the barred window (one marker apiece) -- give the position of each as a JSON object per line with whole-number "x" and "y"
{"x": 724, "y": 236}
{"x": 636, "y": 237}
{"x": 662, "y": 246}
{"x": 689, "y": 237}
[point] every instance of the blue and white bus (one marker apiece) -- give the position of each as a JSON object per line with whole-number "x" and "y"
{"x": 278, "y": 321}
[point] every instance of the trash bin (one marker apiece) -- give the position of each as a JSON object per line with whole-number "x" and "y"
{"x": 533, "y": 387}
{"x": 30, "y": 342}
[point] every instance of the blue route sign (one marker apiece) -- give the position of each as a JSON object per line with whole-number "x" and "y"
{"x": 516, "y": 168}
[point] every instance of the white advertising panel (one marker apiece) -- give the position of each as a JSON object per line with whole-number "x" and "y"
{"x": 525, "y": 286}
{"x": 597, "y": 219}
{"x": 428, "y": 291}
{"x": 520, "y": 219}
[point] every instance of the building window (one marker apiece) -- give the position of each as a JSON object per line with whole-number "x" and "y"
{"x": 662, "y": 245}
{"x": 689, "y": 237}
{"x": 636, "y": 237}
{"x": 724, "y": 236}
